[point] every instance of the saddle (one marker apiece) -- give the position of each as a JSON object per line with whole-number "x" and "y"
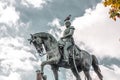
{"x": 73, "y": 49}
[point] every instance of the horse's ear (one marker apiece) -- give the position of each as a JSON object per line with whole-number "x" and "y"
{"x": 30, "y": 40}
{"x": 31, "y": 35}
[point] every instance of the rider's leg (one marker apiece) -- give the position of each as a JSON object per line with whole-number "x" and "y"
{"x": 66, "y": 54}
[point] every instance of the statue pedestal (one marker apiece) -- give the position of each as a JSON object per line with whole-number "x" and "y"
{"x": 39, "y": 75}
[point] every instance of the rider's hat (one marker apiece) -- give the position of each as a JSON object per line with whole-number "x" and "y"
{"x": 67, "y": 18}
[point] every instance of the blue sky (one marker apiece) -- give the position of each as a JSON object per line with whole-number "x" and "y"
{"x": 98, "y": 35}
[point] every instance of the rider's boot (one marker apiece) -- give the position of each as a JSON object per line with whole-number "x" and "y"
{"x": 66, "y": 54}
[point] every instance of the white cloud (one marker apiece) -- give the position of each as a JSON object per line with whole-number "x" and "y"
{"x": 8, "y": 14}
{"x": 9, "y": 2}
{"x": 55, "y": 23}
{"x": 12, "y": 76}
{"x": 98, "y": 31}
{"x": 10, "y": 17}
{"x": 109, "y": 74}
{"x": 56, "y": 28}
{"x": 15, "y": 57}
{"x": 28, "y": 3}
{"x": 13, "y": 51}
{"x": 34, "y": 3}
{"x": 3, "y": 31}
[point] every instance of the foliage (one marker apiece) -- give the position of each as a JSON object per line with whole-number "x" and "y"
{"x": 114, "y": 8}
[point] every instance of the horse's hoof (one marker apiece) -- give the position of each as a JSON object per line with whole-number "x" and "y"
{"x": 44, "y": 77}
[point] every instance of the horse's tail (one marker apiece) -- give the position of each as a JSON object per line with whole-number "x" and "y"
{"x": 96, "y": 67}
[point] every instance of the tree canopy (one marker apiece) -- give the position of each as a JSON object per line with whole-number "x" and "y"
{"x": 114, "y": 8}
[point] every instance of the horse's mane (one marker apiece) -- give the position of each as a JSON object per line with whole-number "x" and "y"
{"x": 45, "y": 35}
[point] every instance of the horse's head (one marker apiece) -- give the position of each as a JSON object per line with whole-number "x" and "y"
{"x": 43, "y": 39}
{"x": 37, "y": 42}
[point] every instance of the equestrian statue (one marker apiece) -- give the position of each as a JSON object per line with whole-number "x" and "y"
{"x": 64, "y": 53}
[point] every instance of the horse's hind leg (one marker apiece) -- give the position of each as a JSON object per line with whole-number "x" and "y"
{"x": 87, "y": 74}
{"x": 76, "y": 74}
{"x": 96, "y": 67}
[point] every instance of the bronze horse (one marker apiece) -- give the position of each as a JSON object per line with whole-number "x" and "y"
{"x": 79, "y": 60}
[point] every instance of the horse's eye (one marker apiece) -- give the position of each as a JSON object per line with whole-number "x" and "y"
{"x": 35, "y": 37}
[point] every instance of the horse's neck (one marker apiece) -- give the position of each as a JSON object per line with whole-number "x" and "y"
{"x": 50, "y": 45}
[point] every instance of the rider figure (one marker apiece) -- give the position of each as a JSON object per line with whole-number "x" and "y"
{"x": 68, "y": 39}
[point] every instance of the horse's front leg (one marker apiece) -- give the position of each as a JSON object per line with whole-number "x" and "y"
{"x": 50, "y": 61}
{"x": 42, "y": 66}
{"x": 55, "y": 71}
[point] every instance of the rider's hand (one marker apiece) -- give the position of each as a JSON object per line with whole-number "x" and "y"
{"x": 61, "y": 42}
